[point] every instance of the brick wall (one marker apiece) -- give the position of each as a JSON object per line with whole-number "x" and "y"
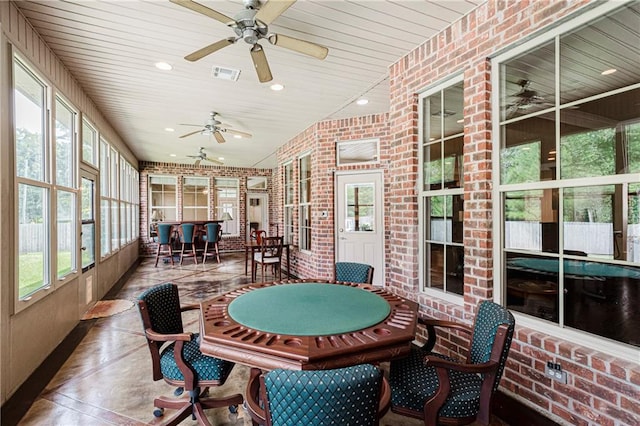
{"x": 320, "y": 140}
{"x": 601, "y": 389}
{"x": 148, "y": 247}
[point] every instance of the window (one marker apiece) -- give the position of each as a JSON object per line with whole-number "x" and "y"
{"x": 304, "y": 207}
{"x": 113, "y": 201}
{"x": 289, "y": 206}
{"x": 227, "y": 201}
{"x": 441, "y": 196}
{"x": 105, "y": 205}
{"x": 128, "y": 201}
{"x": 163, "y": 200}
{"x": 569, "y": 158}
{"x": 360, "y": 215}
{"x": 34, "y": 189}
{"x": 65, "y": 186}
{"x": 195, "y": 198}
{"x": 89, "y": 143}
{"x": 357, "y": 152}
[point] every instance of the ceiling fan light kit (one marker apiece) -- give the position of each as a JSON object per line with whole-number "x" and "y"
{"x": 252, "y": 25}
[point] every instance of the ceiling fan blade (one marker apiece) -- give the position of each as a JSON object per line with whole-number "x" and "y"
{"x": 300, "y": 46}
{"x": 197, "y": 163}
{"x": 197, "y": 7}
{"x": 260, "y": 63}
{"x": 272, "y": 9}
{"x": 214, "y": 161}
{"x": 238, "y": 132}
{"x": 190, "y": 133}
{"x": 218, "y": 137}
{"x": 207, "y": 50}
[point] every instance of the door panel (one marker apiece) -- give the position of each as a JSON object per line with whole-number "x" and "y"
{"x": 359, "y": 222}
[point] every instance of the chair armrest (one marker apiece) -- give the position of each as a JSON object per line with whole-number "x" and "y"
{"x": 437, "y": 362}
{"x": 159, "y": 337}
{"x": 432, "y": 323}
{"x": 252, "y": 398}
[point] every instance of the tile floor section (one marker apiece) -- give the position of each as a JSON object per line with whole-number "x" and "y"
{"x": 107, "y": 380}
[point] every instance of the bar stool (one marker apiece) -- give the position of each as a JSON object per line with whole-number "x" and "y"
{"x": 164, "y": 239}
{"x": 214, "y": 231}
{"x": 188, "y": 238}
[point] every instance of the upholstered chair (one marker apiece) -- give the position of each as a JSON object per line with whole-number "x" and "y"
{"x": 164, "y": 241}
{"x": 187, "y": 238}
{"x": 442, "y": 389}
{"x": 354, "y": 272}
{"x": 176, "y": 358}
{"x": 356, "y": 395}
{"x": 214, "y": 232}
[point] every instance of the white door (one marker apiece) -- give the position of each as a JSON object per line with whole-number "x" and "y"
{"x": 88, "y": 284}
{"x": 258, "y": 212}
{"x": 359, "y": 222}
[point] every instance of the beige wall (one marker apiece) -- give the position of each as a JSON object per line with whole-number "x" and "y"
{"x": 28, "y": 337}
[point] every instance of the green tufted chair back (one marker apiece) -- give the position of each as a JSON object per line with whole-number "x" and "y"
{"x": 163, "y": 304}
{"x": 354, "y": 272}
{"x": 344, "y": 396}
{"x": 212, "y": 232}
{"x": 164, "y": 233}
{"x": 488, "y": 318}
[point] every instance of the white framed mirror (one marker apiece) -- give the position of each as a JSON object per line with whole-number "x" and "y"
{"x": 256, "y": 182}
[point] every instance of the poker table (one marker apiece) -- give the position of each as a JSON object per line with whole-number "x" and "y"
{"x": 307, "y": 325}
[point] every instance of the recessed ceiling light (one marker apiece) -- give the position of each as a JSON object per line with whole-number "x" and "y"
{"x": 276, "y": 87}
{"x": 164, "y": 66}
{"x": 237, "y": 136}
{"x": 609, "y": 71}
{"x": 169, "y": 129}
{"x": 172, "y": 155}
{"x": 362, "y": 101}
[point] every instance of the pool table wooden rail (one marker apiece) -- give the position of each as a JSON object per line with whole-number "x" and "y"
{"x": 225, "y": 338}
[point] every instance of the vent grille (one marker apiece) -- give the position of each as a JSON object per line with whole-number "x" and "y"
{"x": 225, "y": 73}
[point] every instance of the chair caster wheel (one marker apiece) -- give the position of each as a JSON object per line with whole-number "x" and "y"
{"x": 158, "y": 412}
{"x": 178, "y": 391}
{"x": 233, "y": 409}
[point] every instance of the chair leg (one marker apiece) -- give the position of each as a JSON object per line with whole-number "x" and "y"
{"x": 204, "y": 253}
{"x": 181, "y": 254}
{"x": 215, "y": 246}
{"x": 158, "y": 254}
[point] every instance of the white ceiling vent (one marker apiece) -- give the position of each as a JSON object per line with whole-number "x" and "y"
{"x": 225, "y": 73}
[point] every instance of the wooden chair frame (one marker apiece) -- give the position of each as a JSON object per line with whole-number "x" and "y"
{"x": 197, "y": 403}
{"x": 488, "y": 369}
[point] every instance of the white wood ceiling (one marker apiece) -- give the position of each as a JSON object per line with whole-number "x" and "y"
{"x": 111, "y": 48}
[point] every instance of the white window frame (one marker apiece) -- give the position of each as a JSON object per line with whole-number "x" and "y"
{"x": 289, "y": 187}
{"x": 229, "y": 205}
{"x": 602, "y": 344}
{"x": 204, "y": 182}
{"x": 303, "y": 244}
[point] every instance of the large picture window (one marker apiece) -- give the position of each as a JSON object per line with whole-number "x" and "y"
{"x": 289, "y": 206}
{"x": 304, "y": 206}
{"x": 442, "y": 205}
{"x": 569, "y": 158}
{"x": 163, "y": 200}
{"x": 227, "y": 202}
{"x": 33, "y": 198}
{"x": 195, "y": 198}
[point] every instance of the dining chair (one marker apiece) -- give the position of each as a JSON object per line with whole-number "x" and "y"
{"x": 354, "y": 272}
{"x": 176, "y": 358}
{"x": 356, "y": 395}
{"x": 270, "y": 254}
{"x": 164, "y": 240}
{"x": 257, "y": 235}
{"x": 214, "y": 233}
{"x": 441, "y": 389}
{"x": 187, "y": 238}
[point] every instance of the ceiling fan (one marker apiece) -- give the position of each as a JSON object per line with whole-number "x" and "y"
{"x": 251, "y": 25}
{"x": 526, "y": 98}
{"x": 214, "y": 127}
{"x": 203, "y": 156}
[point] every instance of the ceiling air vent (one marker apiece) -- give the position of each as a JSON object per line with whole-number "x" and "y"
{"x": 225, "y": 73}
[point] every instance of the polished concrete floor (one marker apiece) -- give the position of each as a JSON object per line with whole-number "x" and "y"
{"x": 107, "y": 379}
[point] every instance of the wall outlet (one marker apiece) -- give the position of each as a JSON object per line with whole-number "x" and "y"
{"x": 554, "y": 371}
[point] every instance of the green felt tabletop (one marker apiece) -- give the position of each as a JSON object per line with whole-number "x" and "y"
{"x": 309, "y": 309}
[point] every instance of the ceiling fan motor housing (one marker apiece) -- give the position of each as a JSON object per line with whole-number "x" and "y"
{"x": 247, "y": 28}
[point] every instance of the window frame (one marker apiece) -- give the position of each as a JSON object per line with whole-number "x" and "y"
{"x": 304, "y": 207}
{"x": 230, "y": 205}
{"x": 196, "y": 207}
{"x": 602, "y": 343}
{"x": 426, "y": 194}
{"x": 288, "y": 194}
